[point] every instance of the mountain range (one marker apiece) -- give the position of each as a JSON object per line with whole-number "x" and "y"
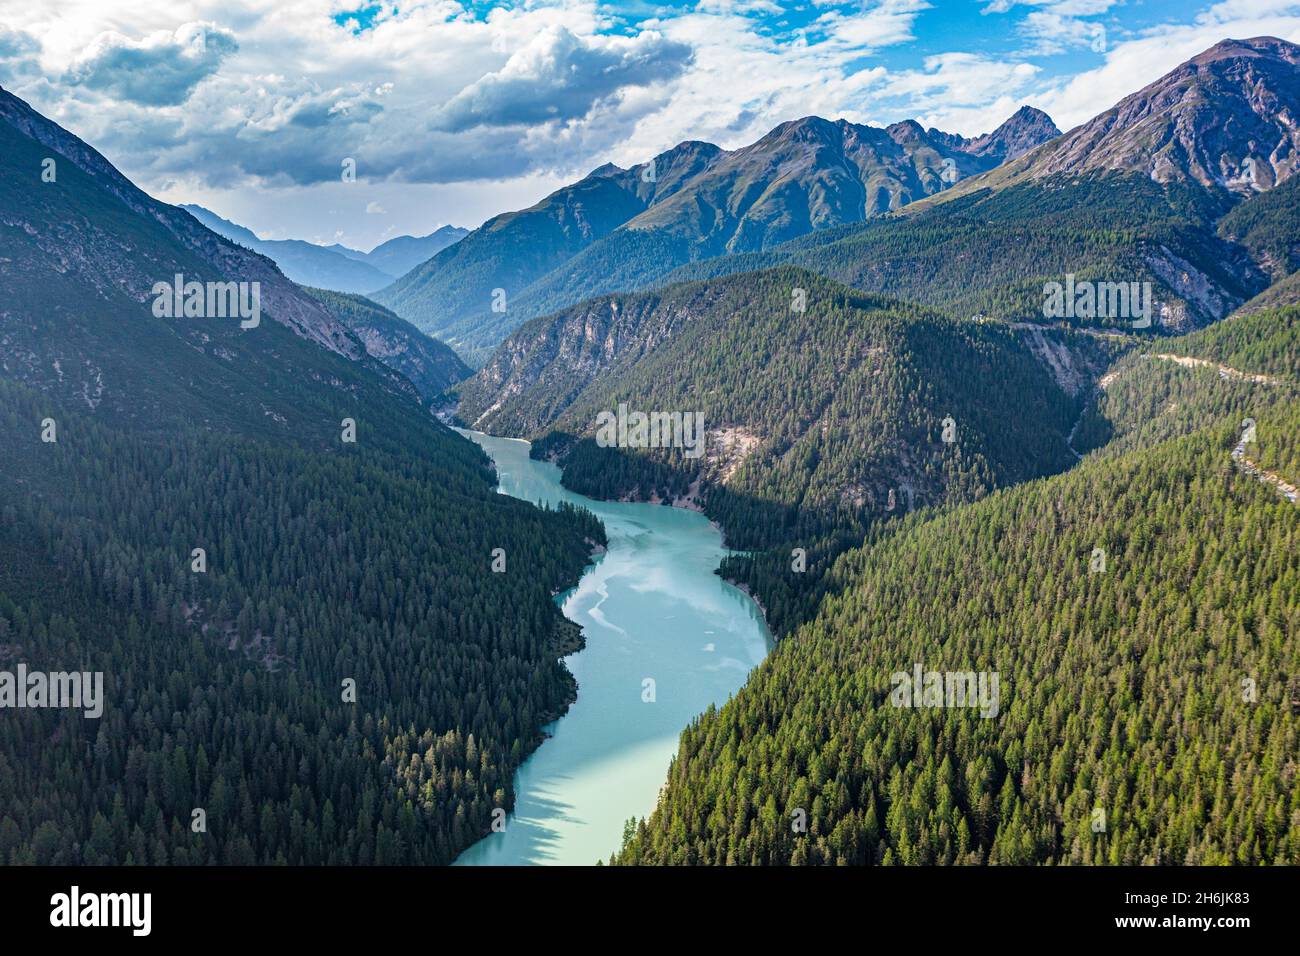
{"x": 886, "y": 402}
{"x": 335, "y": 267}
{"x": 979, "y": 253}
{"x": 863, "y": 206}
{"x": 622, "y": 228}
{"x": 1138, "y": 193}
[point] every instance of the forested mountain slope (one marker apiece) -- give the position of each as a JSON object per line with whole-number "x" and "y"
{"x": 1135, "y": 195}
{"x": 43, "y": 218}
{"x": 1142, "y": 613}
{"x": 1280, "y": 294}
{"x": 833, "y": 416}
{"x": 401, "y": 254}
{"x": 805, "y": 176}
{"x": 428, "y": 364}
{"x": 993, "y": 252}
{"x": 1268, "y": 225}
{"x": 277, "y": 558}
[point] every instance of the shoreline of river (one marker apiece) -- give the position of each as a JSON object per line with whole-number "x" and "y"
{"x": 687, "y": 502}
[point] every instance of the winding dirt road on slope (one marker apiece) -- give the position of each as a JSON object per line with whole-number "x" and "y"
{"x": 1227, "y": 372}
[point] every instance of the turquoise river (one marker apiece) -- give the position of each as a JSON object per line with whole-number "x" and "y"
{"x": 653, "y": 611}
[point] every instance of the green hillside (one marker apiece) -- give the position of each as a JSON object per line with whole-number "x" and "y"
{"x": 131, "y": 440}
{"x": 815, "y": 418}
{"x": 428, "y": 364}
{"x": 1124, "y": 734}
{"x": 991, "y": 253}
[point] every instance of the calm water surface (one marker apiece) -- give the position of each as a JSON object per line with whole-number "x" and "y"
{"x": 651, "y": 608}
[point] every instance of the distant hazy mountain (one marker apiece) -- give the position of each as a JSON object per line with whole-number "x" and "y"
{"x": 622, "y": 229}
{"x": 399, "y": 256}
{"x": 304, "y": 262}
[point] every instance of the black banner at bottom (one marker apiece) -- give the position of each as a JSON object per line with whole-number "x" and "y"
{"x": 333, "y": 906}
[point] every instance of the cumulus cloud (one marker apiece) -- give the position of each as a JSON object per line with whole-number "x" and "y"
{"x": 439, "y": 91}
{"x": 559, "y": 76}
{"x": 960, "y": 92}
{"x": 1056, "y": 33}
{"x": 161, "y": 69}
{"x": 19, "y": 54}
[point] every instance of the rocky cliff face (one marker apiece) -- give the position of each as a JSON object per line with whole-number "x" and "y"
{"x": 429, "y": 365}
{"x": 553, "y": 359}
{"x": 1027, "y": 129}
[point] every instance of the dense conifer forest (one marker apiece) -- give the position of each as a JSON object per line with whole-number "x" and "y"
{"x": 226, "y": 688}
{"x": 860, "y": 406}
{"x": 301, "y": 636}
{"x": 1142, "y": 611}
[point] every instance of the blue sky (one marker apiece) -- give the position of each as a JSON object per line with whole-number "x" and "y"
{"x": 455, "y": 110}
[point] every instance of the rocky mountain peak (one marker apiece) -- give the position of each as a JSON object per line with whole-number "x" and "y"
{"x": 1228, "y": 118}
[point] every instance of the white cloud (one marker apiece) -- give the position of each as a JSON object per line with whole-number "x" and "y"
{"x": 1055, "y": 33}
{"x": 19, "y": 55}
{"x": 1055, "y": 26}
{"x": 558, "y": 76}
{"x": 873, "y": 26}
{"x": 160, "y": 69}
